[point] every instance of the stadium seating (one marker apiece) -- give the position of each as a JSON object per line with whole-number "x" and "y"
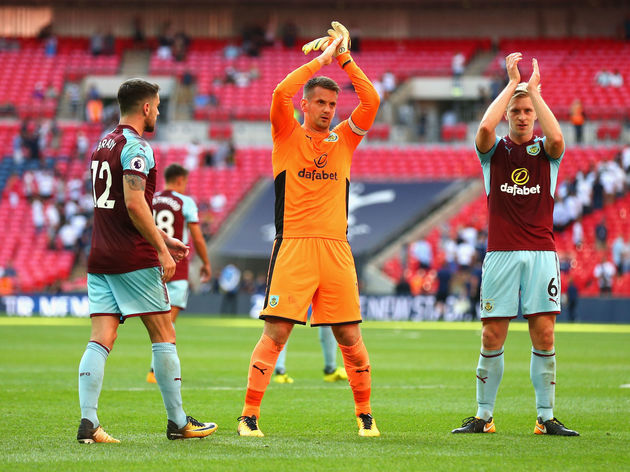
{"x": 568, "y": 68}
{"x": 405, "y": 58}
{"x": 27, "y": 67}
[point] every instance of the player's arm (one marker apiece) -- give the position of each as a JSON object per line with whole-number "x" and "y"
{"x": 142, "y": 218}
{"x": 200, "y": 246}
{"x": 281, "y": 113}
{"x": 364, "y": 114}
{"x": 554, "y": 142}
{"x": 486, "y": 136}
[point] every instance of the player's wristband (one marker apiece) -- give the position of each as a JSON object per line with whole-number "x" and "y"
{"x": 344, "y": 59}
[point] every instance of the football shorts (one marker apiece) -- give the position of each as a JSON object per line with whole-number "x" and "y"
{"x": 178, "y": 293}
{"x": 136, "y": 293}
{"x": 312, "y": 270}
{"x": 533, "y": 277}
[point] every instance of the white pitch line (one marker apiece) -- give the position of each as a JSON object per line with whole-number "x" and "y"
{"x": 624, "y": 386}
{"x": 292, "y": 387}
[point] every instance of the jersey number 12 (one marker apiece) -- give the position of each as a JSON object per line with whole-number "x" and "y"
{"x": 103, "y": 200}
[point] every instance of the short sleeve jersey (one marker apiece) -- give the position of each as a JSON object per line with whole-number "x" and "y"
{"x": 173, "y": 212}
{"x": 520, "y": 182}
{"x": 312, "y": 180}
{"x": 117, "y": 246}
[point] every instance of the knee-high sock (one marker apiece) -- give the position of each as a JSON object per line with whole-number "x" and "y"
{"x": 152, "y": 356}
{"x": 489, "y": 375}
{"x": 281, "y": 362}
{"x": 169, "y": 378}
{"x": 357, "y": 363}
{"x": 261, "y": 367}
{"x": 91, "y": 371}
{"x": 543, "y": 374}
{"x": 329, "y": 348}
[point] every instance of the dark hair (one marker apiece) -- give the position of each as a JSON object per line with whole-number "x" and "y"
{"x": 321, "y": 81}
{"x": 173, "y": 171}
{"x": 134, "y": 91}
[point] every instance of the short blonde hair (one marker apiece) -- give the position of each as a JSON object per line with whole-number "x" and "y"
{"x": 520, "y": 92}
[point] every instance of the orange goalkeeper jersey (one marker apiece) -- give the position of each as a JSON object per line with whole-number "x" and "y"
{"x": 312, "y": 170}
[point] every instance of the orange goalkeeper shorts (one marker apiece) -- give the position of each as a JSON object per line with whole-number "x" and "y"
{"x": 312, "y": 270}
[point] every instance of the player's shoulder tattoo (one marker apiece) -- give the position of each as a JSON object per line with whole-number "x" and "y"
{"x": 135, "y": 182}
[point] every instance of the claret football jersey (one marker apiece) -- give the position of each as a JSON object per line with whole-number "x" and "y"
{"x": 520, "y": 182}
{"x": 117, "y": 246}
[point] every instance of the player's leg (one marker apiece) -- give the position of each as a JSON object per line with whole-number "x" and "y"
{"x": 332, "y": 373}
{"x": 541, "y": 304}
{"x": 499, "y": 303}
{"x": 357, "y": 363}
{"x": 105, "y": 318}
{"x": 91, "y": 373}
{"x": 292, "y": 279}
{"x": 169, "y": 379}
{"x": 275, "y": 335}
{"x": 178, "y": 296}
{"x": 280, "y": 371}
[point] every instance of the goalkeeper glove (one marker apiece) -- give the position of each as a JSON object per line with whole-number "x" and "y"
{"x": 340, "y": 30}
{"x": 318, "y": 44}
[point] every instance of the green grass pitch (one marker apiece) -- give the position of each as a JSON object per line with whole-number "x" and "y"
{"x": 423, "y": 386}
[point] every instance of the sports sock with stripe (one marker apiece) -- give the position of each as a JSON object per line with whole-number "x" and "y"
{"x": 542, "y": 371}
{"x": 489, "y": 375}
{"x": 357, "y": 364}
{"x": 281, "y": 363}
{"x": 329, "y": 348}
{"x": 91, "y": 371}
{"x": 169, "y": 378}
{"x": 261, "y": 368}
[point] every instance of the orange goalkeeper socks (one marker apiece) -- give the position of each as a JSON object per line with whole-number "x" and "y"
{"x": 261, "y": 368}
{"x": 357, "y": 364}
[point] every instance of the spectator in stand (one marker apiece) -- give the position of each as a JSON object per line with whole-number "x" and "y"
{"x": 109, "y": 43}
{"x": 51, "y": 92}
{"x": 138, "y": 32}
{"x": 253, "y": 40}
{"x": 616, "y": 79}
{"x": 166, "y": 39}
{"x": 465, "y": 255}
{"x": 422, "y": 252}
{"x": 37, "y": 211}
{"x": 224, "y": 155}
{"x": 97, "y": 43}
{"x": 193, "y": 154}
{"x": 584, "y": 192}
{"x": 181, "y": 43}
{"x": 603, "y": 78}
{"x": 82, "y": 144}
{"x": 598, "y": 192}
{"x": 18, "y": 149}
{"x": 50, "y": 46}
{"x": 389, "y": 83}
{"x": 578, "y": 233}
{"x": 625, "y": 158}
{"x": 94, "y": 105}
{"x": 444, "y": 276}
{"x": 289, "y": 34}
{"x": 605, "y": 273}
{"x": 229, "y": 283}
{"x": 618, "y": 249}
{"x": 572, "y": 299}
{"x": 231, "y": 51}
{"x": 73, "y": 93}
{"x": 601, "y": 234}
{"x": 402, "y": 287}
{"x": 577, "y": 118}
{"x": 458, "y": 64}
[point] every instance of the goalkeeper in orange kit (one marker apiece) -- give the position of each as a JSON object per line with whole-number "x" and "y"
{"x": 311, "y": 261}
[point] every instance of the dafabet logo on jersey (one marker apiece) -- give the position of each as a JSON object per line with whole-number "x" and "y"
{"x": 320, "y": 162}
{"x": 519, "y": 178}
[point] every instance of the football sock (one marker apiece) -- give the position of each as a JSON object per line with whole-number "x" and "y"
{"x": 489, "y": 375}
{"x": 152, "y": 369}
{"x": 281, "y": 367}
{"x": 261, "y": 367}
{"x": 543, "y": 374}
{"x": 91, "y": 371}
{"x": 329, "y": 348}
{"x": 357, "y": 363}
{"x": 169, "y": 378}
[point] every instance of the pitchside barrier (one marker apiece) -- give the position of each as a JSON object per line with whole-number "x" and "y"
{"x": 373, "y": 307}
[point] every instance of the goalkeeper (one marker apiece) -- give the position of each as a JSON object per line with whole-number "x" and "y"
{"x": 311, "y": 261}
